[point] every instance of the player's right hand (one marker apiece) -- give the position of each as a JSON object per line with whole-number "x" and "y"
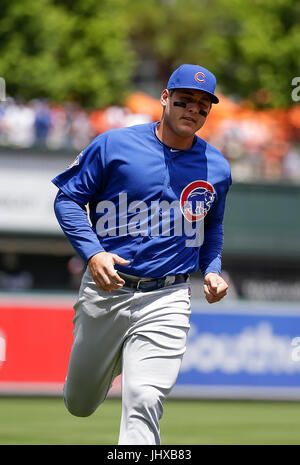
{"x": 104, "y": 274}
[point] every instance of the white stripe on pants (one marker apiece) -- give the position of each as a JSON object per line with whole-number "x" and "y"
{"x": 139, "y": 334}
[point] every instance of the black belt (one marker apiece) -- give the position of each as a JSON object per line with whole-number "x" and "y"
{"x": 151, "y": 284}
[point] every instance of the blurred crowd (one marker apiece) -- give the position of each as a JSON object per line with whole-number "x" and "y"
{"x": 260, "y": 145}
{"x": 57, "y": 127}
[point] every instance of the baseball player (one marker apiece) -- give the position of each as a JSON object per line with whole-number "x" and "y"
{"x": 156, "y": 197}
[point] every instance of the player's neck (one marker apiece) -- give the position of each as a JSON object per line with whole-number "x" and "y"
{"x": 168, "y": 137}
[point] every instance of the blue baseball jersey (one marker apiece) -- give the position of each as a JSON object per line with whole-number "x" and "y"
{"x": 158, "y": 207}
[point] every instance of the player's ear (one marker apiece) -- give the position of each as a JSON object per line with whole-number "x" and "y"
{"x": 164, "y": 97}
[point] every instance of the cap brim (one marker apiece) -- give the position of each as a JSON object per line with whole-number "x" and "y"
{"x": 213, "y": 97}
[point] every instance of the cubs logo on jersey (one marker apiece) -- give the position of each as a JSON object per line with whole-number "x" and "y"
{"x": 196, "y": 200}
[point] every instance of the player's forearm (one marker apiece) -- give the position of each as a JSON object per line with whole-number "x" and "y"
{"x": 210, "y": 260}
{"x": 74, "y": 222}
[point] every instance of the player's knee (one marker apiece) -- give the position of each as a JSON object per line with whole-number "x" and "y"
{"x": 146, "y": 399}
{"x": 78, "y": 409}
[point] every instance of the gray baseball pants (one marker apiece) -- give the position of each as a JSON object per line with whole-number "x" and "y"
{"x": 139, "y": 334}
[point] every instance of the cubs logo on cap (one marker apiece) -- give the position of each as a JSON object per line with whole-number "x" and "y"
{"x": 196, "y": 200}
{"x": 194, "y": 77}
{"x": 200, "y": 77}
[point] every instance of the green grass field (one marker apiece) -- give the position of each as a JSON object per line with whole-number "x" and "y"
{"x": 46, "y": 421}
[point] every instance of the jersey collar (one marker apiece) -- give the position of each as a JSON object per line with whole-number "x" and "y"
{"x": 171, "y": 151}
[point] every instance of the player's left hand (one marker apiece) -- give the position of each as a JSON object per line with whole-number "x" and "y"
{"x": 215, "y": 288}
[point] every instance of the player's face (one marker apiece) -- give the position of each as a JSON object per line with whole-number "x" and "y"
{"x": 185, "y": 122}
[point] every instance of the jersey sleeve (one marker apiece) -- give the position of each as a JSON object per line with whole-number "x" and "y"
{"x": 210, "y": 256}
{"x": 85, "y": 176}
{"x": 74, "y": 222}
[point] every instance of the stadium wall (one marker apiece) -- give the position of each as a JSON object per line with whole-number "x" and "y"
{"x": 235, "y": 350}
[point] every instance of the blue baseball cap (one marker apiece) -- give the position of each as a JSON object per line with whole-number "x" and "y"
{"x": 194, "y": 77}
